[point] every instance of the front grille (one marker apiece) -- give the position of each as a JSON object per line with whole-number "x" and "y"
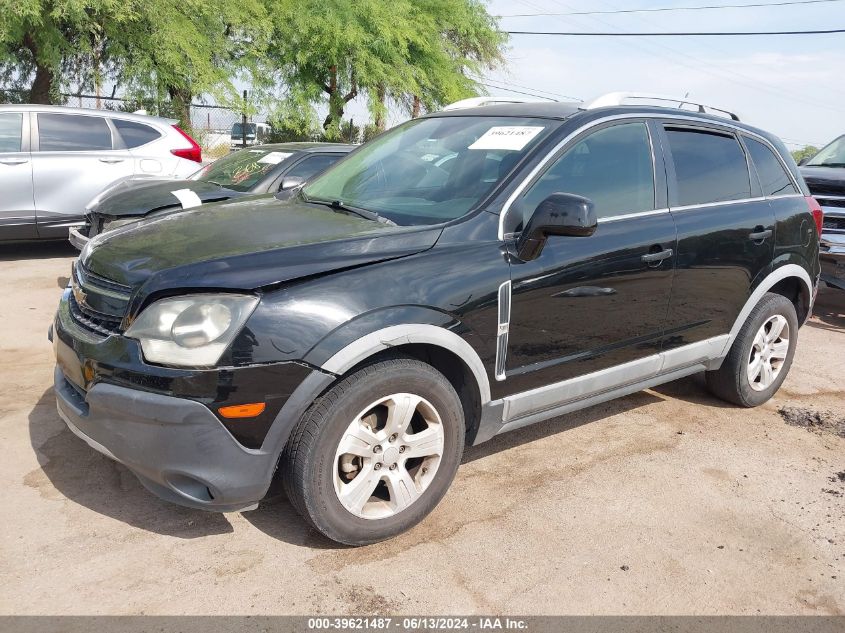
{"x": 833, "y": 223}
{"x": 831, "y": 202}
{"x": 87, "y": 280}
{"x": 95, "y": 322}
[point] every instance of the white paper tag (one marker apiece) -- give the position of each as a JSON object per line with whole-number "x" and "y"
{"x": 513, "y": 137}
{"x": 274, "y": 158}
{"x": 187, "y": 197}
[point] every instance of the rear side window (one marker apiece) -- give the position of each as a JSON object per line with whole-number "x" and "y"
{"x": 68, "y": 133}
{"x": 10, "y": 131}
{"x": 612, "y": 167}
{"x": 312, "y": 165}
{"x": 135, "y": 134}
{"x": 773, "y": 177}
{"x": 709, "y": 167}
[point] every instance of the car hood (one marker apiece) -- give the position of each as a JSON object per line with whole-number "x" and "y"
{"x": 247, "y": 244}
{"x": 825, "y": 180}
{"x": 142, "y": 196}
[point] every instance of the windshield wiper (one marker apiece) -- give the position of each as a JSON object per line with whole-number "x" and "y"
{"x": 827, "y": 165}
{"x": 338, "y": 205}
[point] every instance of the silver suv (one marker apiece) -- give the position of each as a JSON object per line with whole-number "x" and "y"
{"x": 54, "y": 160}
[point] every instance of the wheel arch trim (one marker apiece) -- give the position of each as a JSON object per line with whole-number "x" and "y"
{"x": 420, "y": 333}
{"x": 779, "y": 274}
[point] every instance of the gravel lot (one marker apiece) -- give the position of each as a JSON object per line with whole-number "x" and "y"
{"x": 664, "y": 502}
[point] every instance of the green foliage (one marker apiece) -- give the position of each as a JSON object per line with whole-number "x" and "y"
{"x": 807, "y": 151}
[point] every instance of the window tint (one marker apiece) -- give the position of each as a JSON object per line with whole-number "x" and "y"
{"x": 64, "y": 133}
{"x": 135, "y": 134}
{"x": 611, "y": 167}
{"x": 773, "y": 177}
{"x": 10, "y": 131}
{"x": 709, "y": 167}
{"x": 312, "y": 165}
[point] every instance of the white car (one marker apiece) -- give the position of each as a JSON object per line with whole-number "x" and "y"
{"x": 54, "y": 160}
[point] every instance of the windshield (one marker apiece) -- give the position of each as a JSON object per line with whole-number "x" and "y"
{"x": 430, "y": 170}
{"x": 241, "y": 170}
{"x": 831, "y": 156}
{"x": 238, "y": 129}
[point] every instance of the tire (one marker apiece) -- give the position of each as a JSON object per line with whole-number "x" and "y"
{"x": 732, "y": 381}
{"x": 364, "y": 410}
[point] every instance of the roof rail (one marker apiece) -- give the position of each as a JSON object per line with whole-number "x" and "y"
{"x": 475, "y": 102}
{"x": 619, "y": 98}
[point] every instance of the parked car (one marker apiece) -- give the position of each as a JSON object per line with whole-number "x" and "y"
{"x": 825, "y": 176}
{"x": 251, "y": 133}
{"x": 53, "y": 160}
{"x": 352, "y": 338}
{"x": 260, "y": 169}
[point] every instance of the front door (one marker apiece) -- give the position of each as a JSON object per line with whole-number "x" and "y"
{"x": 589, "y": 303}
{"x": 76, "y": 159}
{"x": 17, "y": 207}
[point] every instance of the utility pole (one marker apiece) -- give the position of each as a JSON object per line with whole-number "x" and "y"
{"x": 243, "y": 123}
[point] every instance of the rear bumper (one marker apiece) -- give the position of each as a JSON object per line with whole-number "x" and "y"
{"x": 176, "y": 447}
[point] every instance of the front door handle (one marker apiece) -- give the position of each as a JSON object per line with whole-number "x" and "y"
{"x": 111, "y": 160}
{"x": 759, "y": 235}
{"x": 651, "y": 258}
{"x": 13, "y": 161}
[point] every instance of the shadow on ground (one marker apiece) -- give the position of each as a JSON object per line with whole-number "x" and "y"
{"x": 829, "y": 310}
{"x": 36, "y": 250}
{"x": 92, "y": 480}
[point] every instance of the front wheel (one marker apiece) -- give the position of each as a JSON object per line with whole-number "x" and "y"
{"x": 761, "y": 355}
{"x": 376, "y": 453}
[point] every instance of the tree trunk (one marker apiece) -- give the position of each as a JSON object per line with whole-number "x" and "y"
{"x": 415, "y": 108}
{"x": 42, "y": 85}
{"x": 379, "y": 121}
{"x": 181, "y": 99}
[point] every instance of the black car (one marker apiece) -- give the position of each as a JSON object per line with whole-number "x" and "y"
{"x": 825, "y": 176}
{"x": 467, "y": 273}
{"x": 254, "y": 170}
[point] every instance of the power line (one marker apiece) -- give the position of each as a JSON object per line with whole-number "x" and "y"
{"x": 676, "y": 34}
{"x": 509, "y": 83}
{"x": 664, "y": 9}
{"x": 519, "y": 92}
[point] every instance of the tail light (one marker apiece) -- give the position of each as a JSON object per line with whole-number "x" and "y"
{"x": 818, "y": 214}
{"x": 194, "y": 152}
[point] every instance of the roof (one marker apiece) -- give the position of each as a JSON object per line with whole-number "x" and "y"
{"x": 545, "y": 110}
{"x": 308, "y": 147}
{"x": 117, "y": 114}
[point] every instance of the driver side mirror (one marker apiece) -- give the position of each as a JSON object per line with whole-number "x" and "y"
{"x": 804, "y": 161}
{"x": 290, "y": 182}
{"x": 559, "y": 214}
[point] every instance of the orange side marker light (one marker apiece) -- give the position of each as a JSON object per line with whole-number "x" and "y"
{"x": 242, "y": 410}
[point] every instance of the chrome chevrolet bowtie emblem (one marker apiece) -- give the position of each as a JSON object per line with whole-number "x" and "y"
{"x": 78, "y": 293}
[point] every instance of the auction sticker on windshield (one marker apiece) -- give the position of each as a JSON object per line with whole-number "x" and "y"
{"x": 513, "y": 137}
{"x": 274, "y": 158}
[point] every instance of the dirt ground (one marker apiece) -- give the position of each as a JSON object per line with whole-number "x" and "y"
{"x": 664, "y": 502}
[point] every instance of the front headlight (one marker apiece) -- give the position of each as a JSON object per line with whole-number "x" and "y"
{"x": 191, "y": 331}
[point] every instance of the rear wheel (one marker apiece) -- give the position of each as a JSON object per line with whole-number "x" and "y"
{"x": 761, "y": 355}
{"x": 376, "y": 453}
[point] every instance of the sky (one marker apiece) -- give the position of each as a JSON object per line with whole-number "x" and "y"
{"x": 793, "y": 86}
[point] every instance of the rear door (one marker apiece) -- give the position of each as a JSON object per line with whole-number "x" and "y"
{"x": 17, "y": 207}
{"x": 725, "y": 230}
{"x": 76, "y": 157}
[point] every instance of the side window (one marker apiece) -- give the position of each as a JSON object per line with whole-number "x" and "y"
{"x": 11, "y": 124}
{"x": 68, "y": 133}
{"x": 313, "y": 165}
{"x": 709, "y": 167}
{"x": 612, "y": 167}
{"x": 135, "y": 134}
{"x": 773, "y": 177}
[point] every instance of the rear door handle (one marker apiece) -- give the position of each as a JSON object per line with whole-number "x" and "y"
{"x": 111, "y": 160}
{"x": 14, "y": 161}
{"x": 759, "y": 236}
{"x": 651, "y": 258}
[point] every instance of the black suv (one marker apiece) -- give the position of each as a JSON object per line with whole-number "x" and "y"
{"x": 464, "y": 274}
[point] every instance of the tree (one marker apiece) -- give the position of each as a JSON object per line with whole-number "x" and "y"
{"x": 40, "y": 40}
{"x": 808, "y": 151}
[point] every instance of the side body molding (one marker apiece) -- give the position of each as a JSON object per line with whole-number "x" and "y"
{"x": 404, "y": 334}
